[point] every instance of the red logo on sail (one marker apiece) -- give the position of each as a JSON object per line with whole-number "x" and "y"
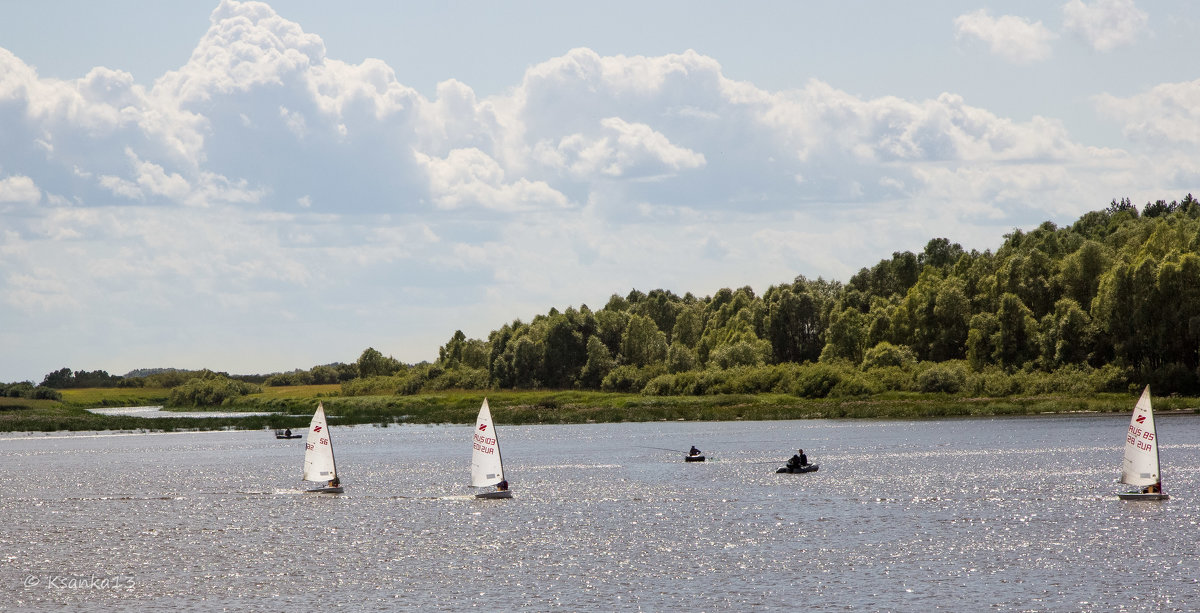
{"x": 482, "y": 427}
{"x": 316, "y": 428}
{"x": 1140, "y": 418}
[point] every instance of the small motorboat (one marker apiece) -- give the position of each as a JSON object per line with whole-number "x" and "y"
{"x": 287, "y": 434}
{"x": 807, "y": 468}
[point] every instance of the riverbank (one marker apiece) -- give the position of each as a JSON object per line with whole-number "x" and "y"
{"x": 288, "y": 407}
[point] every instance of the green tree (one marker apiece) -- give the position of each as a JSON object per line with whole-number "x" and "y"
{"x": 59, "y": 379}
{"x": 527, "y": 363}
{"x": 565, "y": 352}
{"x": 643, "y": 343}
{"x": 1079, "y": 273}
{"x": 681, "y": 358}
{"x": 886, "y": 354}
{"x": 950, "y": 322}
{"x": 940, "y": 253}
{"x": 451, "y": 354}
{"x": 1016, "y": 334}
{"x": 689, "y": 325}
{"x": 740, "y": 353}
{"x": 610, "y": 327}
{"x": 847, "y": 337}
{"x": 1068, "y": 334}
{"x": 981, "y": 340}
{"x": 793, "y": 325}
{"x": 372, "y": 363}
{"x": 599, "y": 363}
{"x": 661, "y": 306}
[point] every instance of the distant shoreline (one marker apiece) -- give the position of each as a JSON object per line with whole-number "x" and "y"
{"x": 290, "y": 408}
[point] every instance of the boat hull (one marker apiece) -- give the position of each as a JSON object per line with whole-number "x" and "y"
{"x": 289, "y": 437}
{"x": 1141, "y": 496}
{"x": 495, "y": 495}
{"x": 807, "y": 468}
{"x": 693, "y": 458}
{"x": 325, "y": 490}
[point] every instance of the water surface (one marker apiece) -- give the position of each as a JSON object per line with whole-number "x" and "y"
{"x": 945, "y": 515}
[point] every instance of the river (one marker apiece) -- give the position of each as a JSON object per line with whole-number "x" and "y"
{"x": 1007, "y": 514}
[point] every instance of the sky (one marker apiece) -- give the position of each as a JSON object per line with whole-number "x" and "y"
{"x": 259, "y": 187}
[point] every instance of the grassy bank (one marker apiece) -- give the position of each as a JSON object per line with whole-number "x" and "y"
{"x": 293, "y": 405}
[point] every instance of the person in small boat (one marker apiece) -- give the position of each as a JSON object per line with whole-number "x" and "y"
{"x": 694, "y": 451}
{"x": 1153, "y": 488}
{"x": 502, "y": 486}
{"x": 335, "y": 482}
{"x": 288, "y": 433}
{"x": 799, "y": 460}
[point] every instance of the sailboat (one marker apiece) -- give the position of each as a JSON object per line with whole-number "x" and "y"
{"x": 1140, "y": 464}
{"x": 318, "y": 455}
{"x": 486, "y": 467}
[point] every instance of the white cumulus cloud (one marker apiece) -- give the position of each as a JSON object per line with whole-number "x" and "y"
{"x": 470, "y": 176}
{"x": 19, "y": 189}
{"x": 1013, "y": 38}
{"x": 1168, "y": 113}
{"x": 1105, "y": 24}
{"x": 619, "y": 149}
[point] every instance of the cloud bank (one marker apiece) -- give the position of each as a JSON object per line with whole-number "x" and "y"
{"x": 267, "y": 206}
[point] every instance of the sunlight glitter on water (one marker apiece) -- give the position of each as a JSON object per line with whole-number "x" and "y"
{"x": 940, "y": 515}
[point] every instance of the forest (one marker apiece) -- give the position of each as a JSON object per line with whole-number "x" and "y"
{"x": 1107, "y": 304}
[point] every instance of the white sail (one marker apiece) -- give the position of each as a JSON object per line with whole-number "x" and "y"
{"x": 486, "y": 468}
{"x": 1140, "y": 465}
{"x": 318, "y": 449}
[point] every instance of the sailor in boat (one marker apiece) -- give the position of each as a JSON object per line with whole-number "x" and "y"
{"x": 1153, "y": 488}
{"x": 502, "y": 486}
{"x": 799, "y": 460}
{"x": 288, "y": 433}
{"x": 694, "y": 451}
{"x": 334, "y": 482}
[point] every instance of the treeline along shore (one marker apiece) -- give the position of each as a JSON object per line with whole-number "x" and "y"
{"x": 538, "y": 407}
{"x": 1057, "y": 319}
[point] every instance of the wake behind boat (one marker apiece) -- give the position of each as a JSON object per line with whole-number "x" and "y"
{"x": 319, "y": 465}
{"x": 1140, "y": 465}
{"x": 487, "y": 469}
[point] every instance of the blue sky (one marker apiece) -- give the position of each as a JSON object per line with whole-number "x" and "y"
{"x": 259, "y": 187}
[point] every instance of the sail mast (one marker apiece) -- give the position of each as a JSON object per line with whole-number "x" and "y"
{"x": 329, "y": 435}
{"x": 499, "y": 458}
{"x": 1157, "y": 453}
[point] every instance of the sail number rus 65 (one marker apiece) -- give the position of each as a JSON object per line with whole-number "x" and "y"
{"x": 485, "y": 444}
{"x": 1136, "y": 433}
